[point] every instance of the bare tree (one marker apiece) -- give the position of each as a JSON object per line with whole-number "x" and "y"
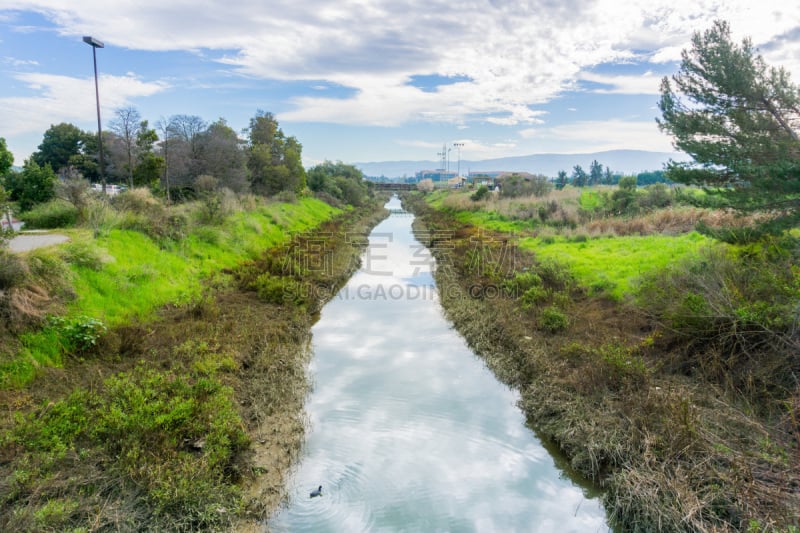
{"x": 126, "y": 125}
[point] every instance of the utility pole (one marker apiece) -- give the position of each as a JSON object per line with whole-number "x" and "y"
{"x": 458, "y": 148}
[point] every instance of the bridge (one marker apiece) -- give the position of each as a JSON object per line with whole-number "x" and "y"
{"x": 395, "y": 186}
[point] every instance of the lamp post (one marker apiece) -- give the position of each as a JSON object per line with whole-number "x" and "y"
{"x": 95, "y": 44}
{"x": 458, "y": 147}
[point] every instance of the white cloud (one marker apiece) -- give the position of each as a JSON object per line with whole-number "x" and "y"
{"x": 14, "y": 62}
{"x": 66, "y": 99}
{"x": 515, "y": 54}
{"x": 597, "y": 136}
{"x": 647, "y": 83}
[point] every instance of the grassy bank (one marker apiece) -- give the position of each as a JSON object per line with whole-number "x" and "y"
{"x": 163, "y": 388}
{"x": 683, "y": 431}
{"x": 125, "y": 274}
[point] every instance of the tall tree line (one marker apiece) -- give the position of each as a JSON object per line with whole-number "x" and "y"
{"x": 170, "y": 157}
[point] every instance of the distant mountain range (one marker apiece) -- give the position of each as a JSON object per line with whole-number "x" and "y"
{"x": 619, "y": 161}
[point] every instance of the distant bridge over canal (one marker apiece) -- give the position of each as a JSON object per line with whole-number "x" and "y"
{"x": 395, "y": 186}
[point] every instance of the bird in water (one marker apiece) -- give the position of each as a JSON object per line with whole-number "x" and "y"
{"x": 316, "y": 492}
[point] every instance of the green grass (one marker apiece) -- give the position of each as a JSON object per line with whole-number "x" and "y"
{"x": 495, "y": 222}
{"x": 612, "y": 265}
{"x": 605, "y": 265}
{"x": 591, "y": 200}
{"x": 137, "y": 277}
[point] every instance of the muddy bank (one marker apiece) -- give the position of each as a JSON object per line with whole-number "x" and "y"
{"x": 672, "y": 452}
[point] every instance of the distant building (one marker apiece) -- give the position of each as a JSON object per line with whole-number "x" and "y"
{"x": 436, "y": 175}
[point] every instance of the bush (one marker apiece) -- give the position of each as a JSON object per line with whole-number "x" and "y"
{"x": 521, "y": 282}
{"x": 50, "y": 215}
{"x": 553, "y": 319}
{"x": 515, "y": 186}
{"x": 139, "y": 200}
{"x": 80, "y": 334}
{"x": 657, "y": 196}
{"x": 481, "y": 193}
{"x": 737, "y": 311}
{"x": 83, "y": 254}
{"x": 279, "y": 289}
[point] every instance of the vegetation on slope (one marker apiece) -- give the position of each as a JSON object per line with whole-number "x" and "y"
{"x": 672, "y": 387}
{"x": 150, "y": 382}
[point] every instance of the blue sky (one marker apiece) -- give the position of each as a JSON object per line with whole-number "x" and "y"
{"x": 372, "y": 80}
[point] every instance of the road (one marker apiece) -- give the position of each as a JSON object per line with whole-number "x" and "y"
{"x": 30, "y": 241}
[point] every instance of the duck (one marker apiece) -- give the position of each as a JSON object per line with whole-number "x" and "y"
{"x": 316, "y": 492}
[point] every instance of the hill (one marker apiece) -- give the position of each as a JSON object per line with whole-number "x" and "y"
{"x": 619, "y": 161}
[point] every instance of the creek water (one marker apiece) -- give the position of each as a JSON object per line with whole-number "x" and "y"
{"x": 407, "y": 428}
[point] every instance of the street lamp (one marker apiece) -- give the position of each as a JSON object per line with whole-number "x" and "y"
{"x": 95, "y": 44}
{"x": 458, "y": 146}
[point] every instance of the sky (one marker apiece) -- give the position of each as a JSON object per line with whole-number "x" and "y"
{"x": 372, "y": 80}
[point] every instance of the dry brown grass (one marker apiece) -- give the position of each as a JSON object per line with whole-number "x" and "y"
{"x": 669, "y": 221}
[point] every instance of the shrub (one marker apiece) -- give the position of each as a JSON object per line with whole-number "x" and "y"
{"x": 553, "y": 319}
{"x": 481, "y": 193}
{"x": 286, "y": 196}
{"x": 533, "y": 296}
{"x": 521, "y": 282}
{"x": 738, "y": 313}
{"x": 657, "y": 196}
{"x": 74, "y": 189}
{"x": 279, "y": 289}
{"x": 49, "y": 215}
{"x": 515, "y": 186}
{"x": 139, "y": 200}
{"x": 83, "y": 254}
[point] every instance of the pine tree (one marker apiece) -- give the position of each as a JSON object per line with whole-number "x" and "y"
{"x": 739, "y": 122}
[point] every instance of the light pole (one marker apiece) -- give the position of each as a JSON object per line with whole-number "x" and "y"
{"x": 458, "y": 147}
{"x": 95, "y": 44}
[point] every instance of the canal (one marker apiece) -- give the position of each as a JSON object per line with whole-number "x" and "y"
{"x": 407, "y": 428}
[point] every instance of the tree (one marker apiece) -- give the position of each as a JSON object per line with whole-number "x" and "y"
{"x": 595, "y": 173}
{"x": 148, "y": 165}
{"x": 608, "y": 177}
{"x": 343, "y": 182}
{"x": 6, "y": 161}
{"x": 738, "y": 119}
{"x": 623, "y": 200}
{"x": 33, "y": 185}
{"x": 561, "y": 180}
{"x": 6, "y": 158}
{"x": 274, "y": 161}
{"x": 163, "y": 127}
{"x": 126, "y": 126}
{"x": 579, "y": 176}
{"x": 221, "y": 155}
{"x": 61, "y": 143}
{"x": 178, "y": 149}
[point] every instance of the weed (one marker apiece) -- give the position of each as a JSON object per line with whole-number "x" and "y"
{"x": 13, "y": 270}
{"x": 79, "y": 335}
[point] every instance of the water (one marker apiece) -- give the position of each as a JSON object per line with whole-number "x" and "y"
{"x": 408, "y": 431}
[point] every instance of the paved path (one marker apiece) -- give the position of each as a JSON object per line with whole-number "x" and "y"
{"x": 30, "y": 241}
